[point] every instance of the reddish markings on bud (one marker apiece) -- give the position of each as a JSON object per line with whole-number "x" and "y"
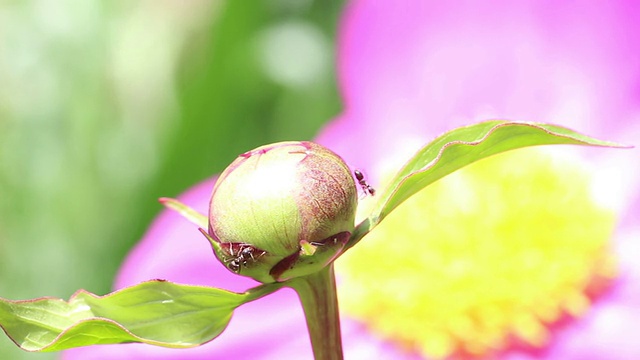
{"x": 272, "y": 199}
{"x": 368, "y": 189}
{"x": 328, "y": 194}
{"x": 298, "y": 264}
{"x": 264, "y": 149}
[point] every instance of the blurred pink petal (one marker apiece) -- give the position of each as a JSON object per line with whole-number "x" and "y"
{"x": 419, "y": 68}
{"x": 415, "y": 69}
{"x": 409, "y": 71}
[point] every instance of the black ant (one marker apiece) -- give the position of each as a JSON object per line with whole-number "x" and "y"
{"x": 368, "y": 189}
{"x": 241, "y": 258}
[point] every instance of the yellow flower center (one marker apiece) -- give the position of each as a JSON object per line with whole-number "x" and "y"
{"x": 489, "y": 257}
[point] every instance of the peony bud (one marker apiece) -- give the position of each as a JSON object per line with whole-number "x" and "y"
{"x": 282, "y": 210}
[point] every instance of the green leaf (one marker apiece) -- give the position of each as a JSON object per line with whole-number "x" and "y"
{"x": 460, "y": 147}
{"x": 185, "y": 211}
{"x": 156, "y": 312}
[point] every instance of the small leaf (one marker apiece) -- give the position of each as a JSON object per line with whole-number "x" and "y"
{"x": 155, "y": 312}
{"x": 460, "y": 147}
{"x": 185, "y": 211}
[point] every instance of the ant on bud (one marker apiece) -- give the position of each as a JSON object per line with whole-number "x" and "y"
{"x": 368, "y": 189}
{"x": 241, "y": 257}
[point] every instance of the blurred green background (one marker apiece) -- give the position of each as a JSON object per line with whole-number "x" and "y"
{"x": 107, "y": 105}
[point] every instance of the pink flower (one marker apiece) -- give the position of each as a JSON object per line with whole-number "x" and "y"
{"x": 409, "y": 71}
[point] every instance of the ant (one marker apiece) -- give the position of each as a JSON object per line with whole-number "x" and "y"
{"x": 241, "y": 258}
{"x": 368, "y": 189}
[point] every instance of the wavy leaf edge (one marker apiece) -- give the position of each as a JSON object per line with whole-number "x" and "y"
{"x": 243, "y": 298}
{"x": 500, "y": 124}
{"x": 377, "y": 212}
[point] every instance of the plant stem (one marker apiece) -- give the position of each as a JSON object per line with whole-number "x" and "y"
{"x": 319, "y": 300}
{"x": 261, "y": 291}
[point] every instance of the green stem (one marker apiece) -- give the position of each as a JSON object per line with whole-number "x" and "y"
{"x": 319, "y": 300}
{"x": 261, "y": 291}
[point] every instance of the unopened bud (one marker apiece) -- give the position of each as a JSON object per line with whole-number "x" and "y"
{"x": 282, "y": 210}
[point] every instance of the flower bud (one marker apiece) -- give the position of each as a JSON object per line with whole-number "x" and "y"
{"x": 282, "y": 210}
